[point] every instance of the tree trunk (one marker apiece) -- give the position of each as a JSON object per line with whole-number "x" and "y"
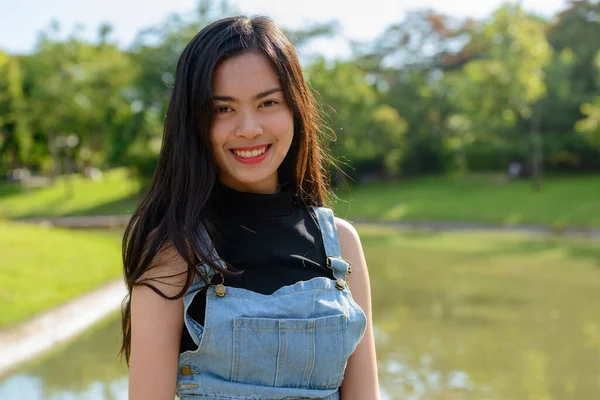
{"x": 55, "y": 156}
{"x": 536, "y": 148}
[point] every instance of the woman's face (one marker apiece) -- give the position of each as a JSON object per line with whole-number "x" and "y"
{"x": 253, "y": 126}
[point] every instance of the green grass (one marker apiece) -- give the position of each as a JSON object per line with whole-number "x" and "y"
{"x": 115, "y": 194}
{"x": 562, "y": 201}
{"x": 41, "y": 268}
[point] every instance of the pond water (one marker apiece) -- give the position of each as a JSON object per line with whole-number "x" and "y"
{"x": 456, "y": 317}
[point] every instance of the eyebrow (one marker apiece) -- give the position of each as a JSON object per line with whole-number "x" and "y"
{"x": 256, "y": 97}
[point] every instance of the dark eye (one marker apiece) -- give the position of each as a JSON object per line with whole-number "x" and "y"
{"x": 222, "y": 110}
{"x": 269, "y": 103}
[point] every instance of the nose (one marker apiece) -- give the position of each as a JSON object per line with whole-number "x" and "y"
{"x": 248, "y": 126}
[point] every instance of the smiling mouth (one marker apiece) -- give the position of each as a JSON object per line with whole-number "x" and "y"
{"x": 251, "y": 154}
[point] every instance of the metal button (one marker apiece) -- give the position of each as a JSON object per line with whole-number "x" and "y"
{"x": 186, "y": 371}
{"x": 340, "y": 284}
{"x": 220, "y": 290}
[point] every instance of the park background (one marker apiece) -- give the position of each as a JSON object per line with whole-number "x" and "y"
{"x": 468, "y": 138}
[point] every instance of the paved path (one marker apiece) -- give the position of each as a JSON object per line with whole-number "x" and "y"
{"x": 84, "y": 222}
{"x": 476, "y": 227}
{"x": 117, "y": 221}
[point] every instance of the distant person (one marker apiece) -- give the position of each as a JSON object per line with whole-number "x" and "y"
{"x": 239, "y": 286}
{"x": 516, "y": 170}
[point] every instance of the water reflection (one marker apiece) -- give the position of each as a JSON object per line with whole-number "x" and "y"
{"x": 451, "y": 323}
{"x": 464, "y": 318}
{"x": 25, "y": 387}
{"x": 86, "y": 368}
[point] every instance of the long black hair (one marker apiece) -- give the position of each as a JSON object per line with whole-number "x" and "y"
{"x": 178, "y": 202}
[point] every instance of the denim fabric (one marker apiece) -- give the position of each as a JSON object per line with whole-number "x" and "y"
{"x": 292, "y": 344}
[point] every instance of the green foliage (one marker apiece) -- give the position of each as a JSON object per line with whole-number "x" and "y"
{"x": 366, "y": 130}
{"x": 492, "y": 93}
{"x": 573, "y": 78}
{"x": 15, "y": 135}
{"x": 156, "y": 52}
{"x": 387, "y": 130}
{"x": 590, "y": 125}
{"x": 431, "y": 94}
{"x": 577, "y": 29}
{"x": 82, "y": 89}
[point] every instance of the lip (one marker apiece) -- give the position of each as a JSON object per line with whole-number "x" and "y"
{"x": 251, "y": 160}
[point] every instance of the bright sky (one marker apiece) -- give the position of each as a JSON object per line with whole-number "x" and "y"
{"x": 21, "y": 20}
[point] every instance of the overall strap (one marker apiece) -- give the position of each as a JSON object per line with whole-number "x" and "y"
{"x": 209, "y": 250}
{"x": 331, "y": 242}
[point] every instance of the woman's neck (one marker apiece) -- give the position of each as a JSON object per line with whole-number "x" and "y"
{"x": 268, "y": 186}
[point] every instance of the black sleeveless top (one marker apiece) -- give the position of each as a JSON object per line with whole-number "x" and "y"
{"x": 272, "y": 237}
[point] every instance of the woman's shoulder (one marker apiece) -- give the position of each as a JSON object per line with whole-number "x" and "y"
{"x": 346, "y": 229}
{"x": 167, "y": 270}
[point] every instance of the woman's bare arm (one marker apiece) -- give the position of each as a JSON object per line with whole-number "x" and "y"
{"x": 156, "y": 326}
{"x": 360, "y": 379}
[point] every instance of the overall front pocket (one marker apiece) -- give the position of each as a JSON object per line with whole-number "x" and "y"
{"x": 309, "y": 353}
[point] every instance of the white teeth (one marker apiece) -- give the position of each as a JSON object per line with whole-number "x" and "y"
{"x": 249, "y": 154}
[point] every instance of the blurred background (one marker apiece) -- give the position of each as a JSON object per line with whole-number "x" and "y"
{"x": 469, "y": 139}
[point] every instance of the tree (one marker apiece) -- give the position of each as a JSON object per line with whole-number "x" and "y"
{"x": 578, "y": 28}
{"x": 82, "y": 89}
{"x": 15, "y": 136}
{"x": 573, "y": 81}
{"x": 494, "y": 92}
{"x": 368, "y": 133}
{"x": 155, "y": 52}
{"x": 590, "y": 125}
{"x": 406, "y": 63}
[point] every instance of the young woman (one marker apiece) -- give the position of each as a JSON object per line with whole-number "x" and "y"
{"x": 238, "y": 277}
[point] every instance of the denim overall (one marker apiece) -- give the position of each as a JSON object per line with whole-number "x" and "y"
{"x": 292, "y": 344}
